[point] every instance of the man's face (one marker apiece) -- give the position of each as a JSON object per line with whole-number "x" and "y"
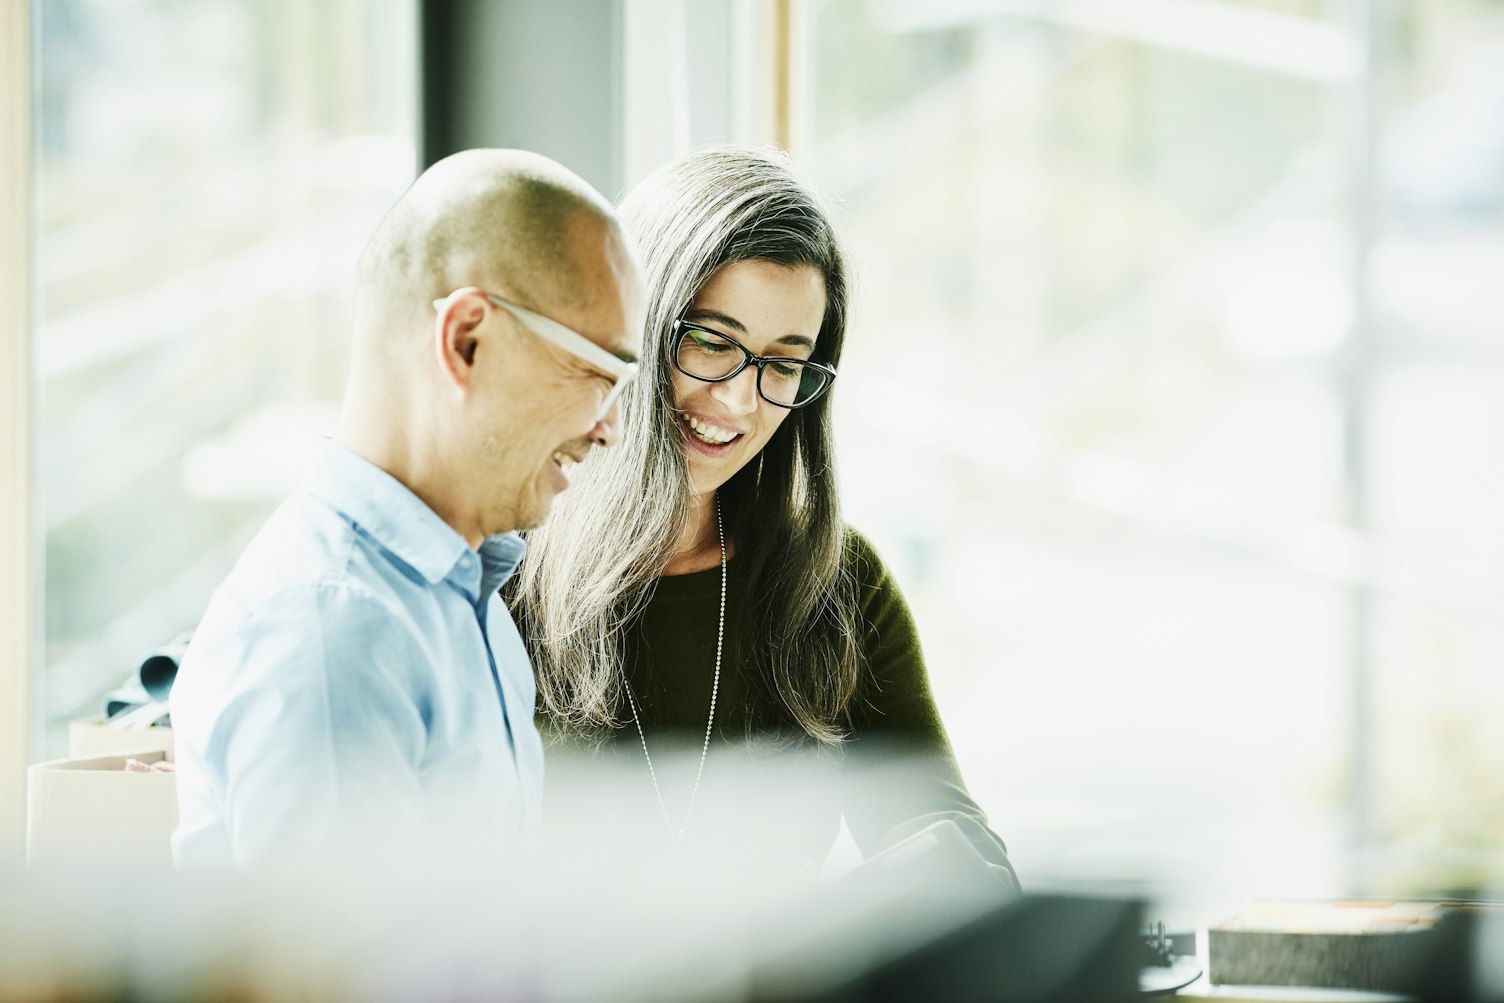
{"x": 539, "y": 415}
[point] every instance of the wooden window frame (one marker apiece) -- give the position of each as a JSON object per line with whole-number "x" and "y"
{"x": 17, "y": 546}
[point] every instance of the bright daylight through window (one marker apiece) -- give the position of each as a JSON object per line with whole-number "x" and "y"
{"x": 207, "y": 174}
{"x": 1205, "y": 458}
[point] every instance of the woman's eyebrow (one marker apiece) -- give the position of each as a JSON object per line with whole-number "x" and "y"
{"x": 718, "y": 317}
{"x": 698, "y": 316}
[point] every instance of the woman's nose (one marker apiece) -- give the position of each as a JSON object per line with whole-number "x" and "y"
{"x": 738, "y": 394}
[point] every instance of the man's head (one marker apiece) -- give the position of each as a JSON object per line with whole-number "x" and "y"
{"x": 458, "y": 387}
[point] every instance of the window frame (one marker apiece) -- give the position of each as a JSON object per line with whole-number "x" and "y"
{"x": 17, "y": 548}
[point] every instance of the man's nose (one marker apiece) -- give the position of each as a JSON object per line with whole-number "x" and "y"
{"x": 607, "y": 429}
{"x": 738, "y": 394}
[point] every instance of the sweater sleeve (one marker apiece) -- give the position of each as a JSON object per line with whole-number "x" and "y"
{"x": 899, "y": 772}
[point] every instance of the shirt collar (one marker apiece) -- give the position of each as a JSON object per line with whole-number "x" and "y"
{"x": 499, "y": 557}
{"x": 385, "y": 509}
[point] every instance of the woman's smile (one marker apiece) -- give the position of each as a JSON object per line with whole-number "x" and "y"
{"x": 709, "y": 431}
{"x": 706, "y": 439}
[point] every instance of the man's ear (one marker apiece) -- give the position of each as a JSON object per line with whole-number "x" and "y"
{"x": 456, "y": 335}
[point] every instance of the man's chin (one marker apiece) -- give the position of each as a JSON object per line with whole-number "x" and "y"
{"x": 535, "y": 516}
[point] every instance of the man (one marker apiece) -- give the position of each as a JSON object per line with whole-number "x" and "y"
{"x": 356, "y": 686}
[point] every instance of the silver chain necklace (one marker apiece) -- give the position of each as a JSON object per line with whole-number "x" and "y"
{"x": 715, "y": 687}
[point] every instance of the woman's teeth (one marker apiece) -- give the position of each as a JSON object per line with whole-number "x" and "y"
{"x": 706, "y": 432}
{"x": 565, "y": 461}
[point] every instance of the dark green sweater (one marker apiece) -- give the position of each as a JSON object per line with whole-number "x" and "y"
{"x": 894, "y": 773}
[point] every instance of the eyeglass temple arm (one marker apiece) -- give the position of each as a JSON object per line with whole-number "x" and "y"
{"x": 570, "y": 341}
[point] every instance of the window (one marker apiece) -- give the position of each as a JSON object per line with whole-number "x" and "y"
{"x": 207, "y": 174}
{"x": 1198, "y": 516}
{"x": 1201, "y": 518}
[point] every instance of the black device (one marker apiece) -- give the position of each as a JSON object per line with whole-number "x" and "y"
{"x": 930, "y": 918}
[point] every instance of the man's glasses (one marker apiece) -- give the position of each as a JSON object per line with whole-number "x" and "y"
{"x": 573, "y": 342}
{"x": 714, "y": 357}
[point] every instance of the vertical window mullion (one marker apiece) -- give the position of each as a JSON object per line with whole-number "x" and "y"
{"x": 1357, "y": 369}
{"x": 16, "y": 544}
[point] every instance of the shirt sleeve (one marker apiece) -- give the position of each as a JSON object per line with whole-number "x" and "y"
{"x": 899, "y": 773}
{"x": 316, "y": 744}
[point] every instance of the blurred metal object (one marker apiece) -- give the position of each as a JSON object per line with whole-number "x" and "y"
{"x": 1165, "y": 968}
{"x": 159, "y": 668}
{"x": 142, "y": 700}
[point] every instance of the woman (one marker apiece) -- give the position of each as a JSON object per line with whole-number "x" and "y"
{"x": 697, "y": 581}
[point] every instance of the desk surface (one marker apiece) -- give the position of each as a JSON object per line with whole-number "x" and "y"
{"x": 1202, "y": 989}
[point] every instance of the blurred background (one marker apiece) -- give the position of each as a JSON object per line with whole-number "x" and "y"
{"x": 1174, "y": 393}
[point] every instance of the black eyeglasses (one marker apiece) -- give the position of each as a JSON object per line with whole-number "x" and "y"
{"x": 714, "y": 357}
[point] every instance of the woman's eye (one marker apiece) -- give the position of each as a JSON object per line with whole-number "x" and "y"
{"x": 785, "y": 371}
{"x": 707, "y": 345}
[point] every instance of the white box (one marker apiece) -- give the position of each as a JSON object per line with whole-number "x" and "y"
{"x": 91, "y": 736}
{"x": 92, "y": 813}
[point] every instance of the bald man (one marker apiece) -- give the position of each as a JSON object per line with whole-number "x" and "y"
{"x": 355, "y": 686}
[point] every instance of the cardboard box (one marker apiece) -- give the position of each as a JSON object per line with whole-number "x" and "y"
{"x": 91, "y": 736}
{"x": 91, "y": 813}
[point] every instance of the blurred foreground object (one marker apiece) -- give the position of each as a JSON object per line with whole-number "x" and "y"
{"x": 926, "y": 920}
{"x": 1466, "y": 964}
{"x": 1036, "y": 949}
{"x": 931, "y": 918}
{"x": 1376, "y": 945}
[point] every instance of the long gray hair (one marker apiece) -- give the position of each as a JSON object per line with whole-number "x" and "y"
{"x": 591, "y": 569}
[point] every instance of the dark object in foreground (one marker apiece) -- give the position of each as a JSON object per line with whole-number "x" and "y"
{"x": 1040, "y": 949}
{"x": 1465, "y": 960}
{"x": 1372, "y": 945}
{"x": 929, "y": 919}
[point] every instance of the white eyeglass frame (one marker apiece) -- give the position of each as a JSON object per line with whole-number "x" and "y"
{"x": 571, "y": 341}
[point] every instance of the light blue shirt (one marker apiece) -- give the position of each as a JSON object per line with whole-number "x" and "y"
{"x": 356, "y": 678}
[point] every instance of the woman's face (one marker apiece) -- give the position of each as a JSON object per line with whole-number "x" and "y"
{"x": 770, "y": 309}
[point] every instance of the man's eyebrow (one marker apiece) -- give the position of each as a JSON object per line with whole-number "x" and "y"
{"x": 624, "y": 355}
